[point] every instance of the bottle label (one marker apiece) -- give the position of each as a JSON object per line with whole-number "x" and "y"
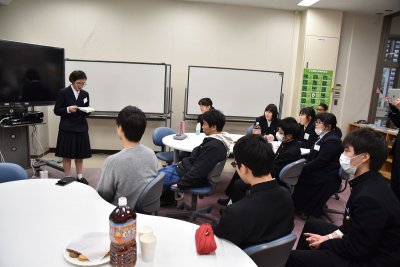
{"x": 122, "y": 232}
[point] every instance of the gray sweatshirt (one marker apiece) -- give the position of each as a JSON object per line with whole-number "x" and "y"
{"x": 126, "y": 173}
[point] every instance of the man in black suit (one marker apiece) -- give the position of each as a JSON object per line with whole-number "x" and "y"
{"x": 73, "y": 138}
{"x": 370, "y": 233}
{"x": 289, "y": 151}
{"x": 267, "y": 212}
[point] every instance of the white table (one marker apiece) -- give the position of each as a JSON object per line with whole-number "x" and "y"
{"x": 190, "y": 142}
{"x": 193, "y": 140}
{"x": 38, "y": 219}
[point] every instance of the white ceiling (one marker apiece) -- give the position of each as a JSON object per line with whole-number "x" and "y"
{"x": 352, "y": 6}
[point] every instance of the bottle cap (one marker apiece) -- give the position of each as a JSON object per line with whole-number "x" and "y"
{"x": 122, "y": 201}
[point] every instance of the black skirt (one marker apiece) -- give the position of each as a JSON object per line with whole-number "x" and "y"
{"x": 73, "y": 145}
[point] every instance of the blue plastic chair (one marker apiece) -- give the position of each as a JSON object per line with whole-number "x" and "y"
{"x": 274, "y": 253}
{"x": 149, "y": 200}
{"x": 214, "y": 177}
{"x": 11, "y": 172}
{"x": 249, "y": 130}
{"x": 291, "y": 172}
{"x": 158, "y": 134}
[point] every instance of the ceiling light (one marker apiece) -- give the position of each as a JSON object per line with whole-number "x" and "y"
{"x": 307, "y": 2}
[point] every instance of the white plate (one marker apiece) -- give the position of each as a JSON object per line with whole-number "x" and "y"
{"x": 84, "y": 263}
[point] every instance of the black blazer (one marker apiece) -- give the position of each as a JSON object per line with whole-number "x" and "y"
{"x": 76, "y": 121}
{"x": 371, "y": 225}
{"x": 323, "y": 164}
{"x": 307, "y": 137}
{"x": 264, "y": 215}
{"x": 265, "y": 130}
{"x": 287, "y": 152}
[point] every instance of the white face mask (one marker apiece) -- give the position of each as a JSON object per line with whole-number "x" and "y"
{"x": 318, "y": 131}
{"x": 279, "y": 136}
{"x": 345, "y": 164}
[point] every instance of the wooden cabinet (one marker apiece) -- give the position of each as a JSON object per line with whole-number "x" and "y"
{"x": 389, "y": 135}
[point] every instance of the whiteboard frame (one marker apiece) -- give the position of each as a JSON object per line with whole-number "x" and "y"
{"x": 192, "y": 116}
{"x": 112, "y": 113}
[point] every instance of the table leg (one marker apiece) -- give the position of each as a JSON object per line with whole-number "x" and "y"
{"x": 176, "y": 155}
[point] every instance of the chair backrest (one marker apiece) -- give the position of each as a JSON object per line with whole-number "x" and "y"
{"x": 291, "y": 172}
{"x": 215, "y": 175}
{"x": 149, "y": 200}
{"x": 274, "y": 253}
{"x": 159, "y": 133}
{"x": 249, "y": 130}
{"x": 11, "y": 172}
{"x": 345, "y": 177}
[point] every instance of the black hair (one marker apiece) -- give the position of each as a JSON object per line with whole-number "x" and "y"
{"x": 206, "y": 102}
{"x": 289, "y": 125}
{"x": 366, "y": 140}
{"x": 215, "y": 118}
{"x": 309, "y": 112}
{"x": 329, "y": 120}
{"x": 256, "y": 153}
{"x": 273, "y": 109}
{"x": 133, "y": 123}
{"x": 77, "y": 75}
{"x": 325, "y": 106}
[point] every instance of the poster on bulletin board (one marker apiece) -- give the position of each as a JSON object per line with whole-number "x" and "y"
{"x": 316, "y": 87}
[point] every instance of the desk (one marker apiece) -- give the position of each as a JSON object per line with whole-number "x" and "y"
{"x": 38, "y": 219}
{"x": 190, "y": 142}
{"x": 193, "y": 140}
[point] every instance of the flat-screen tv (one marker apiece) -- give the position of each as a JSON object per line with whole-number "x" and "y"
{"x": 30, "y": 75}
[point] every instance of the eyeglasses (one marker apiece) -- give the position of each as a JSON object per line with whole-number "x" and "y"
{"x": 318, "y": 122}
{"x": 234, "y": 164}
{"x": 81, "y": 84}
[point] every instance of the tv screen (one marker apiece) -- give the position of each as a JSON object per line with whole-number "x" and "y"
{"x": 30, "y": 75}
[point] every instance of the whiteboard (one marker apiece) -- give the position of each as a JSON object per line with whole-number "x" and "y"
{"x": 235, "y": 92}
{"x": 115, "y": 85}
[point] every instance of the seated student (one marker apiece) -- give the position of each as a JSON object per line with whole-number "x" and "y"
{"x": 205, "y": 105}
{"x": 127, "y": 172}
{"x": 322, "y": 108}
{"x": 307, "y": 135}
{"x": 289, "y": 151}
{"x": 370, "y": 232}
{"x": 269, "y": 122}
{"x": 319, "y": 179}
{"x": 266, "y": 213}
{"x": 192, "y": 171}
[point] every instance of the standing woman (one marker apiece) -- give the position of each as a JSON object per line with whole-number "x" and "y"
{"x": 319, "y": 179}
{"x": 73, "y": 138}
{"x": 394, "y": 116}
{"x": 269, "y": 122}
{"x": 307, "y": 135}
{"x": 205, "y": 104}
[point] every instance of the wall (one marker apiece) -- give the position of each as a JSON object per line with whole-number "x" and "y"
{"x": 178, "y": 33}
{"x": 358, "y": 52}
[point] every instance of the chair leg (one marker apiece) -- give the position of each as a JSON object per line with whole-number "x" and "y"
{"x": 192, "y": 213}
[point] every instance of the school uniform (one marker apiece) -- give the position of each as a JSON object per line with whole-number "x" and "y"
{"x": 73, "y": 137}
{"x": 307, "y": 136}
{"x": 394, "y": 116}
{"x": 370, "y": 228}
{"x": 268, "y": 129}
{"x": 319, "y": 179}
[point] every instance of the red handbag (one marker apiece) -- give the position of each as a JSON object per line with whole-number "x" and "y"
{"x": 204, "y": 237}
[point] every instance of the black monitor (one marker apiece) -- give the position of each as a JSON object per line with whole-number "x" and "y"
{"x": 30, "y": 75}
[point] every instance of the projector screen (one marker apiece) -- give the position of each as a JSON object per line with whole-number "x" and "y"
{"x": 235, "y": 92}
{"x": 114, "y": 85}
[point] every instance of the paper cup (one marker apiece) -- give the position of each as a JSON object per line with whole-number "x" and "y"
{"x": 144, "y": 229}
{"x": 44, "y": 174}
{"x": 148, "y": 247}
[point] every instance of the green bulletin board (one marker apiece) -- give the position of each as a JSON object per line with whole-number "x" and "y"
{"x": 316, "y": 87}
